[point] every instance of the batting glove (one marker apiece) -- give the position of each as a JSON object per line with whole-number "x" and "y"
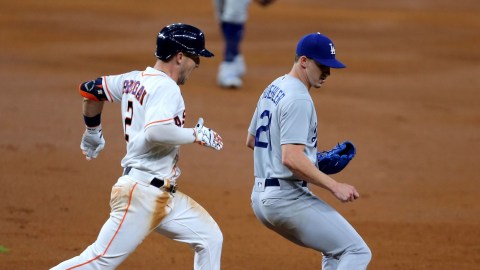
{"x": 92, "y": 142}
{"x": 207, "y": 137}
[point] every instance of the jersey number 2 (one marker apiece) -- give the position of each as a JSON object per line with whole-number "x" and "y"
{"x": 128, "y": 119}
{"x": 266, "y": 129}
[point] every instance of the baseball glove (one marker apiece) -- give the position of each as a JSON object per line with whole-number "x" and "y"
{"x": 336, "y": 159}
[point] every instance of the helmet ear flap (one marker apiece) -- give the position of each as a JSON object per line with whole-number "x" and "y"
{"x": 165, "y": 49}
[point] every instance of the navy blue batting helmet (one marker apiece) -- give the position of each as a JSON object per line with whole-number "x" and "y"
{"x": 179, "y": 37}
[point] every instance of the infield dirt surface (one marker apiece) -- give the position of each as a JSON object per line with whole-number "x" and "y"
{"x": 409, "y": 100}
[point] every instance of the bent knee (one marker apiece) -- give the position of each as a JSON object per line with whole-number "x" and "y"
{"x": 356, "y": 257}
{"x": 214, "y": 239}
{"x": 366, "y": 254}
{"x": 362, "y": 254}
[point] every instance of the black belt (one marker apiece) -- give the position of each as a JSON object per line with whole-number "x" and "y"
{"x": 273, "y": 182}
{"x": 155, "y": 181}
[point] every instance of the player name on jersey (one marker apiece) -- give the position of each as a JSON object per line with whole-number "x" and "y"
{"x": 136, "y": 89}
{"x": 273, "y": 93}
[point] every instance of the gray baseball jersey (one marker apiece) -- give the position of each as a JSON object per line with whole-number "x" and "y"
{"x": 285, "y": 114}
{"x": 283, "y": 117}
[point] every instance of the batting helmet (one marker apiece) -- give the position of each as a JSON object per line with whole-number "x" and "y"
{"x": 179, "y": 37}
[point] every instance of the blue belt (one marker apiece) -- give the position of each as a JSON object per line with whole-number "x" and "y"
{"x": 273, "y": 182}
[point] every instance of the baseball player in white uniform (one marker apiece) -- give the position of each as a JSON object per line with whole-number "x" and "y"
{"x": 145, "y": 198}
{"x": 283, "y": 135}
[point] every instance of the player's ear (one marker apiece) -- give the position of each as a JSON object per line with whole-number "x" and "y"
{"x": 303, "y": 60}
{"x": 179, "y": 58}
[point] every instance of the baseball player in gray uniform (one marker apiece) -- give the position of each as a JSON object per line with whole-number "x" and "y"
{"x": 283, "y": 135}
{"x": 145, "y": 199}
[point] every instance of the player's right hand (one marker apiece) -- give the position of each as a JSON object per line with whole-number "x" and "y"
{"x": 207, "y": 137}
{"x": 345, "y": 192}
{"x": 92, "y": 142}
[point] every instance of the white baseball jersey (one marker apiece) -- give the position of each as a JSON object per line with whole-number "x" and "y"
{"x": 148, "y": 98}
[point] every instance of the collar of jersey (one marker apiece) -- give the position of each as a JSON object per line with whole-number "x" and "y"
{"x": 153, "y": 72}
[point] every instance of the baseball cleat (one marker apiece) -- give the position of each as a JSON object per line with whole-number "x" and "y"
{"x": 228, "y": 75}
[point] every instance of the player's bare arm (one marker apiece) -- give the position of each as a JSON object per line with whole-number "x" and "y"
{"x": 92, "y": 108}
{"x": 250, "y": 141}
{"x": 294, "y": 159}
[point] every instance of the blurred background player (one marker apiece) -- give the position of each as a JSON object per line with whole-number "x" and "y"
{"x": 232, "y": 15}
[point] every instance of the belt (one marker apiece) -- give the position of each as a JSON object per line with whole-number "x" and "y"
{"x": 154, "y": 182}
{"x": 273, "y": 182}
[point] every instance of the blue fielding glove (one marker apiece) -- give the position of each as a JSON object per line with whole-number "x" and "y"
{"x": 335, "y": 160}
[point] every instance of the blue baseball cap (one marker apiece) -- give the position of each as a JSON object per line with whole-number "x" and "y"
{"x": 319, "y": 48}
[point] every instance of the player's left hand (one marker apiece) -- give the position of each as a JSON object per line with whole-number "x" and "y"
{"x": 336, "y": 159}
{"x": 207, "y": 137}
{"x": 92, "y": 142}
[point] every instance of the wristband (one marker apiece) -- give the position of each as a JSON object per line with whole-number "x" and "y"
{"x": 92, "y": 121}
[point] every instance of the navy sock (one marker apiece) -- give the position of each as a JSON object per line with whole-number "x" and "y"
{"x": 233, "y": 35}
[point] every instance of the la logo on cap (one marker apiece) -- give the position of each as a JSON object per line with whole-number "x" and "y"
{"x": 332, "y": 49}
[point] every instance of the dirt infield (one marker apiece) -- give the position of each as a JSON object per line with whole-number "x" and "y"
{"x": 409, "y": 100}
